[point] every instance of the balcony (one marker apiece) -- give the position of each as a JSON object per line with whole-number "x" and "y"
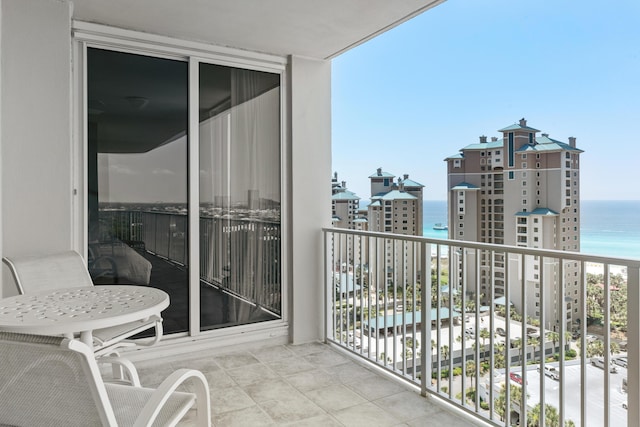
{"x": 381, "y": 319}
{"x": 310, "y": 384}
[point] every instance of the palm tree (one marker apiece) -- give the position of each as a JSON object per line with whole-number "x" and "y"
{"x": 517, "y": 343}
{"x": 551, "y": 417}
{"x": 484, "y": 335}
{"x": 533, "y": 342}
{"x": 445, "y": 352}
{"x": 470, "y": 370}
{"x": 515, "y": 393}
{"x": 554, "y": 337}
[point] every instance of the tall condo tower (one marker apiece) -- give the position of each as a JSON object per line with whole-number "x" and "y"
{"x": 520, "y": 189}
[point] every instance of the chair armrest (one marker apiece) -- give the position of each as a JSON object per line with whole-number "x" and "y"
{"x": 169, "y": 385}
{"x": 156, "y": 338}
{"x": 124, "y": 372}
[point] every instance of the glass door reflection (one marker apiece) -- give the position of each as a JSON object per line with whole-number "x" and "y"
{"x": 137, "y": 175}
{"x": 240, "y": 239}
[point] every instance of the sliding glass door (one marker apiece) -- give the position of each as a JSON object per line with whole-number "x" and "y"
{"x": 138, "y": 180}
{"x": 239, "y": 141}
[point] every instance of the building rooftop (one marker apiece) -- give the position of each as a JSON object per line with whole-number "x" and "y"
{"x": 517, "y": 126}
{"x": 411, "y": 183}
{"x": 465, "y": 186}
{"x": 394, "y": 195}
{"x": 381, "y": 174}
{"x": 538, "y": 211}
{"x": 345, "y": 195}
{"x": 484, "y": 145}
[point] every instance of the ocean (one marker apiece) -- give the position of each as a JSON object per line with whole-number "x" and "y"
{"x": 609, "y": 228}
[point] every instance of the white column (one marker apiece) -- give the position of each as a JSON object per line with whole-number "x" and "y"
{"x": 309, "y": 192}
{"x": 36, "y": 160}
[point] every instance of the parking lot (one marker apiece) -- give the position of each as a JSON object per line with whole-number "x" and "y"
{"x": 594, "y": 397}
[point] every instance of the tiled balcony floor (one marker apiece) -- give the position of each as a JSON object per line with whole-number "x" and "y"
{"x": 306, "y": 385}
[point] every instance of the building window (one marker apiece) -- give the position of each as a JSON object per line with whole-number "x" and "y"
{"x": 510, "y": 150}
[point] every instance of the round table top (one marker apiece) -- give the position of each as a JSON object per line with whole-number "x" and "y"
{"x": 70, "y": 310}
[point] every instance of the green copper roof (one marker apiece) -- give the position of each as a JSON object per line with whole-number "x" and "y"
{"x": 345, "y": 195}
{"x": 465, "y": 186}
{"x": 411, "y": 183}
{"x": 516, "y": 126}
{"x": 538, "y": 211}
{"x": 455, "y": 156}
{"x": 382, "y": 175}
{"x": 485, "y": 145}
{"x": 397, "y": 195}
{"x": 546, "y": 143}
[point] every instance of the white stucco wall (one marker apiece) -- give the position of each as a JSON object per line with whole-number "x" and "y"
{"x": 310, "y": 94}
{"x": 37, "y": 159}
{"x": 35, "y": 136}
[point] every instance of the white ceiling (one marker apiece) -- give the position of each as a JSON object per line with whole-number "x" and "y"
{"x": 312, "y": 28}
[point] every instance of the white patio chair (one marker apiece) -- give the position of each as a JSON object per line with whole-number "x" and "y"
{"x": 66, "y": 270}
{"x": 55, "y": 381}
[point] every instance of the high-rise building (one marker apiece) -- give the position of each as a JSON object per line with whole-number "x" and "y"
{"x": 520, "y": 189}
{"x": 396, "y": 207}
{"x": 345, "y": 205}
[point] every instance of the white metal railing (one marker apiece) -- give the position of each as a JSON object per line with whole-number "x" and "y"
{"x": 494, "y": 321}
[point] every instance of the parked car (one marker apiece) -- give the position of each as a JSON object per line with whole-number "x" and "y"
{"x": 621, "y": 361}
{"x": 515, "y": 377}
{"x": 501, "y": 332}
{"x": 624, "y": 405}
{"x": 623, "y": 345}
{"x": 551, "y": 372}
{"x": 591, "y": 338}
{"x": 599, "y": 363}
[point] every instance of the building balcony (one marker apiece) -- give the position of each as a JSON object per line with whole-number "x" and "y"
{"x": 387, "y": 323}
{"x": 309, "y": 384}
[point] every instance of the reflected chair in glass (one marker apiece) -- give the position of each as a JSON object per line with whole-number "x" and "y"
{"x": 67, "y": 269}
{"x": 55, "y": 381}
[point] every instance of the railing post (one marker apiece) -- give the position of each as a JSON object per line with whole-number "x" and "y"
{"x": 633, "y": 345}
{"x": 328, "y": 278}
{"x": 425, "y": 326}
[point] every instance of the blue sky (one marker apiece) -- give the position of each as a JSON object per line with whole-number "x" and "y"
{"x": 411, "y": 97}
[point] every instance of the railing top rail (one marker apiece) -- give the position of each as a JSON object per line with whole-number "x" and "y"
{"x": 548, "y": 253}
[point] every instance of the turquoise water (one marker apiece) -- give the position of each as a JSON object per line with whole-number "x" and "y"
{"x": 609, "y": 228}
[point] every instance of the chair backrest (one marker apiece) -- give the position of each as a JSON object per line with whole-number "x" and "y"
{"x": 53, "y": 271}
{"x": 50, "y": 381}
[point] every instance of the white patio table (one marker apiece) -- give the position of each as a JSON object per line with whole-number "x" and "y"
{"x": 80, "y": 310}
